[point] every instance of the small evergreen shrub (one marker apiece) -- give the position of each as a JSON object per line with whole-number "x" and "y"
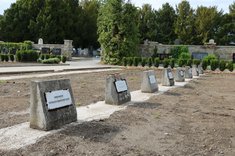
{"x": 209, "y": 58}
{"x": 47, "y": 56}
{"x": 143, "y": 61}
{"x": 150, "y": 62}
{"x": 196, "y": 62}
{"x": 156, "y": 62}
{"x": 230, "y": 66}
{"x": 214, "y": 64}
{"x": 6, "y": 58}
{"x": 136, "y": 61}
{"x": 189, "y": 63}
{"x": 12, "y": 57}
{"x": 166, "y": 63}
{"x": 42, "y": 57}
{"x": 172, "y": 63}
{"x": 2, "y": 57}
{"x": 222, "y": 65}
{"x": 204, "y": 64}
{"x": 51, "y": 61}
{"x": 124, "y": 61}
{"x": 130, "y": 61}
{"x": 63, "y": 59}
{"x": 180, "y": 62}
{"x": 27, "y": 56}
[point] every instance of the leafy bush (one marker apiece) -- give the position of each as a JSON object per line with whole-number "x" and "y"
{"x": 189, "y": 63}
{"x": 178, "y": 50}
{"x": 172, "y": 63}
{"x": 166, "y": 63}
{"x": 209, "y": 58}
{"x": 196, "y": 62}
{"x": 63, "y": 59}
{"x": 180, "y": 62}
{"x": 156, "y": 62}
{"x": 222, "y": 65}
{"x": 150, "y": 62}
{"x": 27, "y": 56}
{"x": 47, "y": 56}
{"x": 124, "y": 61}
{"x": 6, "y": 58}
{"x": 143, "y": 61}
{"x": 214, "y": 64}
{"x": 204, "y": 64}
{"x": 51, "y": 61}
{"x": 185, "y": 56}
{"x": 42, "y": 57}
{"x": 130, "y": 61}
{"x": 12, "y": 57}
{"x": 2, "y": 58}
{"x": 136, "y": 61}
{"x": 230, "y": 66}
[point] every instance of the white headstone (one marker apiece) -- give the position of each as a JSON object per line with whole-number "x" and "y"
{"x": 40, "y": 41}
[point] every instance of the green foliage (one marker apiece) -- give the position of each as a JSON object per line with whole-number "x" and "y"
{"x": 63, "y": 59}
{"x": 42, "y": 57}
{"x": 124, "y": 61}
{"x": 177, "y": 51}
{"x": 130, "y": 61}
{"x": 230, "y": 66}
{"x": 118, "y": 32}
{"x": 51, "y": 61}
{"x": 172, "y": 63}
{"x": 189, "y": 62}
{"x": 143, "y": 61}
{"x": 150, "y": 62}
{"x": 155, "y": 54}
{"x": 222, "y": 65}
{"x": 196, "y": 62}
{"x": 156, "y": 62}
{"x": 214, "y": 64}
{"x": 180, "y": 62}
{"x": 27, "y": 56}
{"x": 209, "y": 58}
{"x": 204, "y": 64}
{"x": 12, "y": 57}
{"x": 166, "y": 63}
{"x": 6, "y": 57}
{"x": 185, "y": 56}
{"x": 136, "y": 61}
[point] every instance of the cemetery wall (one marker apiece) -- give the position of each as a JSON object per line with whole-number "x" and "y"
{"x": 223, "y": 52}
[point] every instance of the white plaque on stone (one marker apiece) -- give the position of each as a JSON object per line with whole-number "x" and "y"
{"x": 58, "y": 99}
{"x": 182, "y": 73}
{"x": 121, "y": 86}
{"x": 170, "y": 75}
{"x": 152, "y": 79}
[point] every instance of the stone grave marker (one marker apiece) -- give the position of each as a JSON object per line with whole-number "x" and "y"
{"x": 116, "y": 90}
{"x": 180, "y": 74}
{"x": 200, "y": 69}
{"x": 149, "y": 82}
{"x": 51, "y": 104}
{"x": 167, "y": 77}
{"x": 195, "y": 71}
{"x": 188, "y": 72}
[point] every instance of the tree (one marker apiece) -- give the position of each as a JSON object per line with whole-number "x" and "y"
{"x": 147, "y": 23}
{"x": 206, "y": 23}
{"x": 118, "y": 32}
{"x": 184, "y": 25}
{"x": 166, "y": 18}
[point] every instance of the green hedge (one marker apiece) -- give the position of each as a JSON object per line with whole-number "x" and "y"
{"x": 229, "y": 66}
{"x": 63, "y": 59}
{"x": 124, "y": 61}
{"x": 196, "y": 62}
{"x": 143, "y": 61}
{"x": 166, "y": 63}
{"x": 26, "y": 45}
{"x": 172, "y": 63}
{"x": 214, "y": 64}
{"x": 156, "y": 62}
{"x": 51, "y": 61}
{"x": 150, "y": 62}
{"x": 222, "y": 65}
{"x": 27, "y": 56}
{"x": 204, "y": 64}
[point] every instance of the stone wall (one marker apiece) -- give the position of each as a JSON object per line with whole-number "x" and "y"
{"x": 223, "y": 52}
{"x": 66, "y": 48}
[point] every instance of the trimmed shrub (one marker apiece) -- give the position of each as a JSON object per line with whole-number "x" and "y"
{"x": 42, "y": 57}
{"x": 27, "y": 56}
{"x": 51, "y": 61}
{"x": 143, "y": 61}
{"x": 222, "y": 65}
{"x": 2, "y": 57}
{"x": 63, "y": 59}
{"x": 185, "y": 56}
{"x": 204, "y": 64}
{"x": 156, "y": 62}
{"x": 214, "y": 64}
{"x": 136, "y": 61}
{"x": 196, "y": 62}
{"x": 6, "y": 58}
{"x": 150, "y": 62}
{"x": 209, "y": 58}
{"x": 12, "y": 57}
{"x": 166, "y": 63}
{"x": 124, "y": 61}
{"x": 230, "y": 66}
{"x": 47, "y": 56}
{"x": 180, "y": 62}
{"x": 189, "y": 62}
{"x": 130, "y": 61}
{"x": 172, "y": 63}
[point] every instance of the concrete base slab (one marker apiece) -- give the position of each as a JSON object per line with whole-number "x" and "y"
{"x": 21, "y": 135}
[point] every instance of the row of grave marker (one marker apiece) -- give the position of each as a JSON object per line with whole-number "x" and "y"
{"x": 52, "y": 103}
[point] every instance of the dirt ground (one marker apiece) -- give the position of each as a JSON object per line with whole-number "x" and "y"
{"x": 198, "y": 119}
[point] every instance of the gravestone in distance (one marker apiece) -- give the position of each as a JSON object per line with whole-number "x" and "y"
{"x": 40, "y": 41}
{"x": 56, "y": 51}
{"x": 51, "y": 104}
{"x": 149, "y": 82}
{"x": 188, "y": 72}
{"x": 180, "y": 74}
{"x": 195, "y": 71}
{"x": 167, "y": 77}
{"x": 200, "y": 69}
{"x": 116, "y": 90}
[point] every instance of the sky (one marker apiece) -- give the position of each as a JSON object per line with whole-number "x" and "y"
{"x": 221, "y": 4}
